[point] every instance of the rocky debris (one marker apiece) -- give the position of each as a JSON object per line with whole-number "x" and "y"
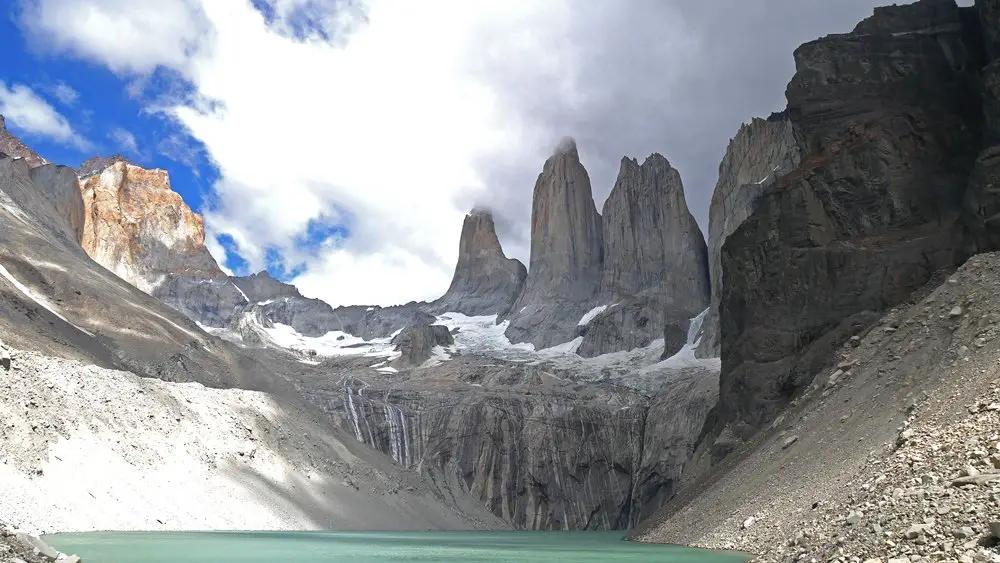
{"x": 13, "y": 147}
{"x": 905, "y": 439}
{"x": 152, "y": 455}
{"x": 486, "y": 282}
{"x": 416, "y": 343}
{"x": 565, "y": 267}
{"x": 139, "y": 228}
{"x": 655, "y": 266}
{"x": 762, "y": 151}
{"x": 5, "y": 359}
{"x": 20, "y": 547}
{"x": 888, "y": 116}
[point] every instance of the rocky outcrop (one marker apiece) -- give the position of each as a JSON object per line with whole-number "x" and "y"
{"x": 61, "y": 187}
{"x": 982, "y": 204}
{"x": 139, "y": 228}
{"x": 534, "y": 446}
{"x": 13, "y": 147}
{"x": 486, "y": 282}
{"x": 565, "y": 265}
{"x": 416, "y": 343}
{"x": 655, "y": 267}
{"x": 890, "y": 119}
{"x": 261, "y": 287}
{"x": 762, "y": 151}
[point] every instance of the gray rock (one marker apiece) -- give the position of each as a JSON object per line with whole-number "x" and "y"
{"x": 789, "y": 441}
{"x": 866, "y": 218}
{"x": 13, "y": 147}
{"x": 917, "y": 530}
{"x": 37, "y": 546}
{"x": 486, "y": 282}
{"x": 995, "y": 529}
{"x": 762, "y": 151}
{"x": 655, "y": 268}
{"x": 60, "y": 186}
{"x": 964, "y": 533}
{"x": 261, "y": 287}
{"x": 565, "y": 267}
{"x": 854, "y": 518}
{"x": 4, "y": 357}
{"x": 416, "y": 343}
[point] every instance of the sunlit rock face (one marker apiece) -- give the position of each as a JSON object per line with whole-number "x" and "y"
{"x": 139, "y": 228}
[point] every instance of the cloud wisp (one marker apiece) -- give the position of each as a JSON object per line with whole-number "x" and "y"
{"x": 34, "y": 116}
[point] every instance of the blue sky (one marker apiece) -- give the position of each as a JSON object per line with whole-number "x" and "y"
{"x": 100, "y": 109}
{"x": 340, "y": 143}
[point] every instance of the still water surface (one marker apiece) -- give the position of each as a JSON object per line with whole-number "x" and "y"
{"x": 374, "y": 547}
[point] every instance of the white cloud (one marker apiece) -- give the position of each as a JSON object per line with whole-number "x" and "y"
{"x": 65, "y": 93}
{"x": 124, "y": 140}
{"x": 29, "y": 112}
{"x": 399, "y": 124}
{"x": 126, "y": 35}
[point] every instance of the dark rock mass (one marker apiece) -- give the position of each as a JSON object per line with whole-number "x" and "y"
{"x": 565, "y": 265}
{"x": 13, "y": 147}
{"x": 486, "y": 282}
{"x": 762, "y": 151}
{"x": 655, "y": 267}
{"x": 416, "y": 343}
{"x": 890, "y": 121}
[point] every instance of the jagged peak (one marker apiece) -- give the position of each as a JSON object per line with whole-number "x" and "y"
{"x": 98, "y": 164}
{"x": 479, "y": 210}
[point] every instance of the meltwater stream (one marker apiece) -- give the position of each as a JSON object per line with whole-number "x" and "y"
{"x": 375, "y": 547}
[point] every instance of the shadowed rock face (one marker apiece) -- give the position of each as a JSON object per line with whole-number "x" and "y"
{"x": 416, "y": 343}
{"x": 655, "y": 268}
{"x": 12, "y": 146}
{"x": 61, "y": 187}
{"x": 486, "y": 282}
{"x": 531, "y": 445}
{"x": 982, "y": 204}
{"x": 890, "y": 123}
{"x": 761, "y": 152}
{"x": 565, "y": 266}
{"x": 139, "y": 228}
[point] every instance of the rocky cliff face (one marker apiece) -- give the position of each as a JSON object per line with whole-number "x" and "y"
{"x": 61, "y": 187}
{"x": 565, "y": 266}
{"x": 890, "y": 122}
{"x": 762, "y": 151}
{"x": 982, "y": 204}
{"x": 655, "y": 267}
{"x": 486, "y": 282}
{"x": 416, "y": 343}
{"x": 139, "y": 228}
{"x": 532, "y": 444}
{"x": 12, "y": 146}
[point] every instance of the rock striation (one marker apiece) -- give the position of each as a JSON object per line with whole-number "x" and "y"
{"x": 889, "y": 117}
{"x": 762, "y": 151}
{"x": 655, "y": 267}
{"x": 13, "y": 147}
{"x": 565, "y": 266}
{"x": 139, "y": 228}
{"x": 486, "y": 282}
{"x": 532, "y": 445}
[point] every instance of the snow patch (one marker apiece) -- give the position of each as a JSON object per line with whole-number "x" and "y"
{"x": 388, "y": 369}
{"x": 245, "y": 298}
{"x": 333, "y": 343}
{"x": 439, "y": 355}
{"x": 589, "y": 316}
{"x": 268, "y": 302}
{"x": 685, "y": 357}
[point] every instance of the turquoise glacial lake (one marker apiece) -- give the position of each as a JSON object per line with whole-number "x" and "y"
{"x": 374, "y": 547}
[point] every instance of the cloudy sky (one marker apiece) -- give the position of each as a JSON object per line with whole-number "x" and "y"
{"x": 339, "y": 143}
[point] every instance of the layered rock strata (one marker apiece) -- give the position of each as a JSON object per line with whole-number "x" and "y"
{"x": 889, "y": 117}
{"x": 762, "y": 151}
